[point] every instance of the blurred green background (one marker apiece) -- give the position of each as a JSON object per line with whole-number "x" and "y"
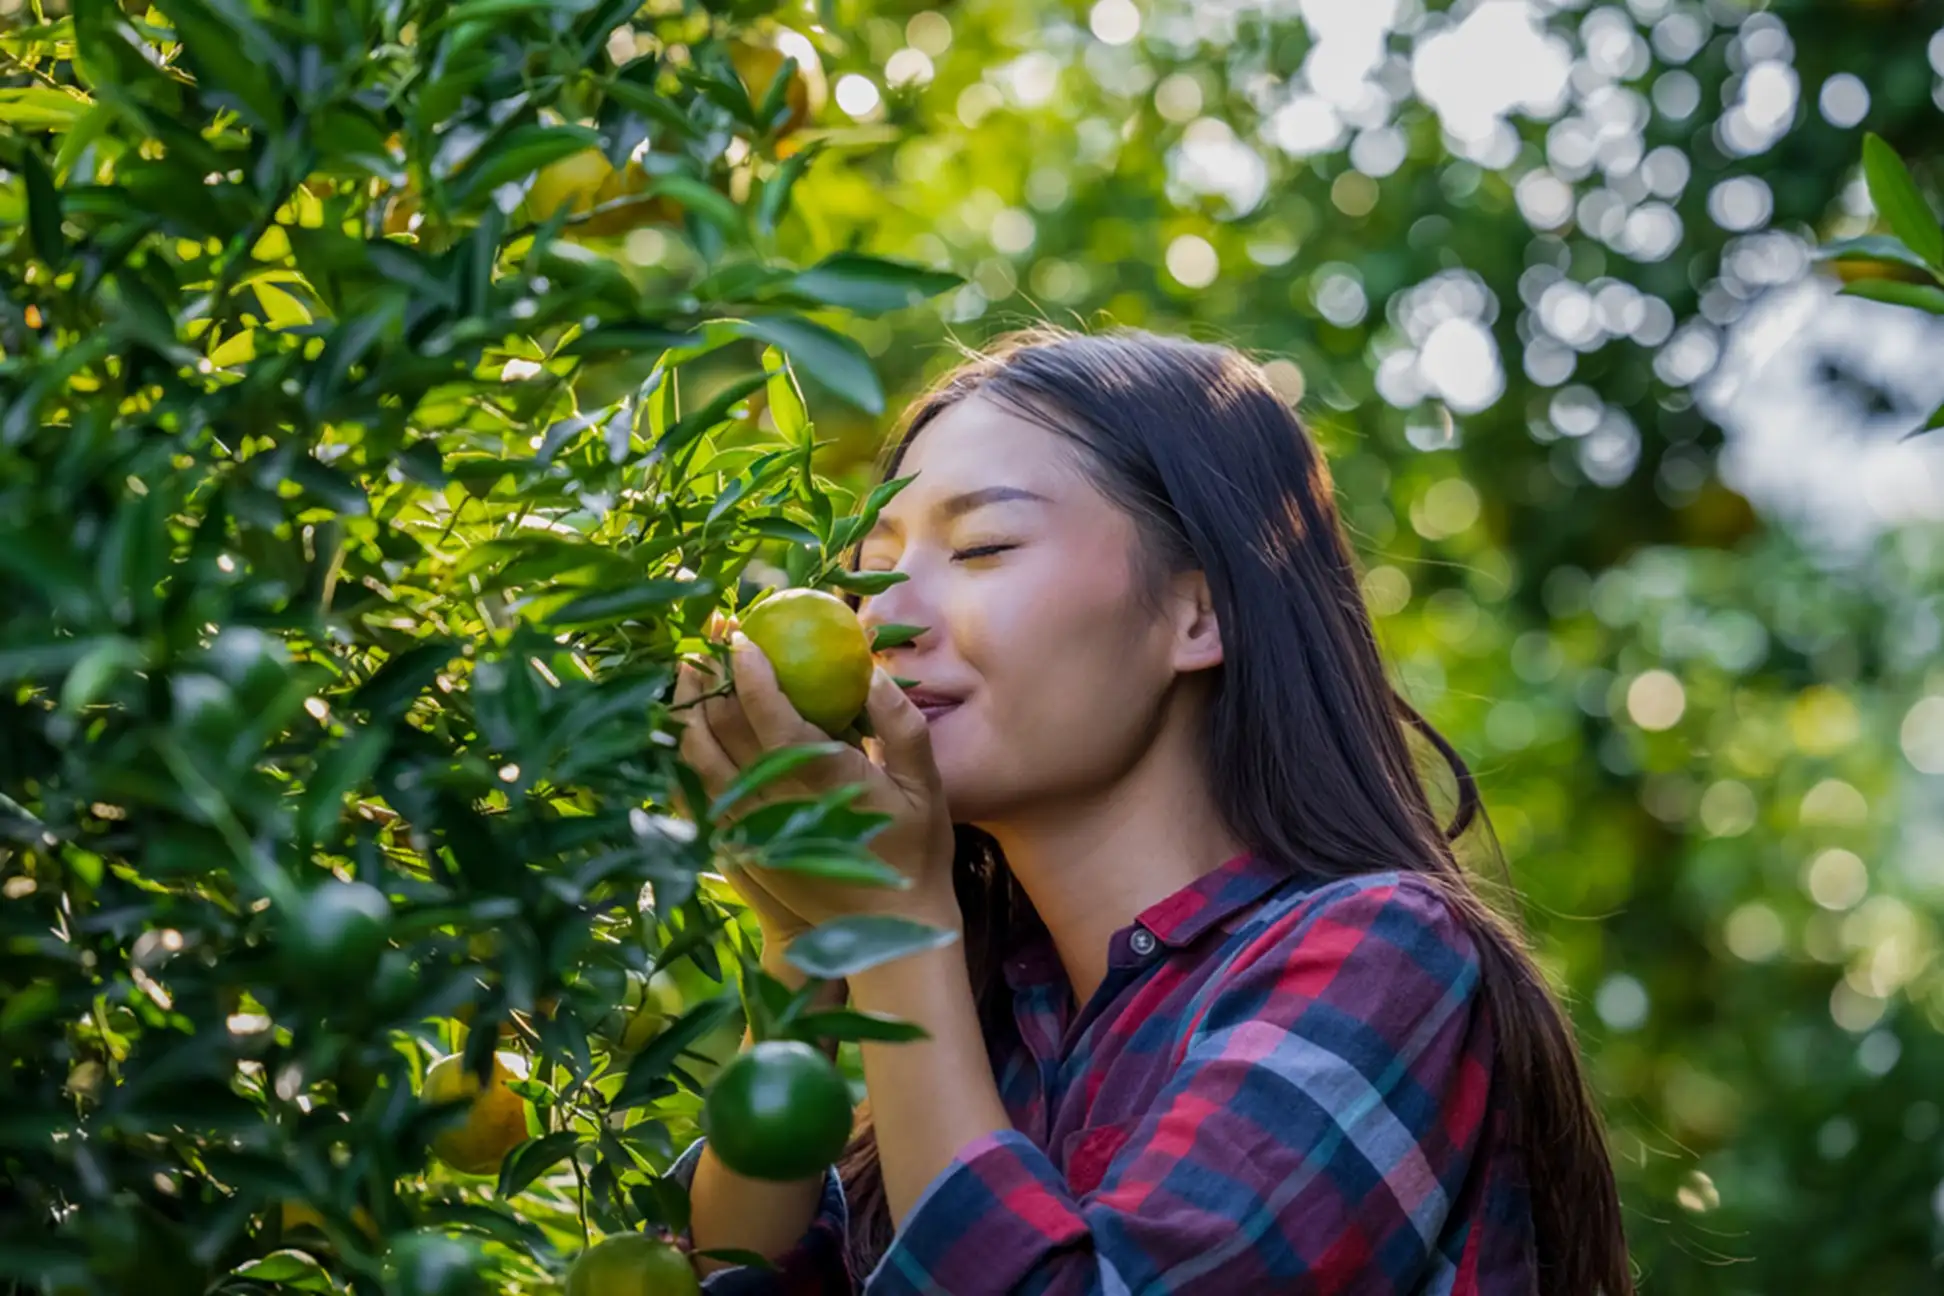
{"x": 1641, "y": 530}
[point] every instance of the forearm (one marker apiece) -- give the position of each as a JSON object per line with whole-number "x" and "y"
{"x": 930, "y": 1097}
{"x": 727, "y": 1210}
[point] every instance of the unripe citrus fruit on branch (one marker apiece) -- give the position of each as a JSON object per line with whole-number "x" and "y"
{"x": 632, "y": 1264}
{"x": 648, "y": 1004}
{"x": 334, "y": 934}
{"x": 779, "y": 1111}
{"x": 820, "y": 652}
{"x": 293, "y": 1215}
{"x": 495, "y": 1123}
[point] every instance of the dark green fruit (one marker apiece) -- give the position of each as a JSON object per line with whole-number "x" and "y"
{"x": 780, "y": 1111}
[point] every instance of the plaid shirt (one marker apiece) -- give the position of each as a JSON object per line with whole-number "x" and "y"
{"x": 1283, "y": 1085}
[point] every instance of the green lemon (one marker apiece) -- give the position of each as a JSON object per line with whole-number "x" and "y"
{"x": 779, "y": 1111}
{"x": 632, "y": 1264}
{"x": 820, "y": 651}
{"x": 336, "y": 933}
{"x": 424, "y": 1263}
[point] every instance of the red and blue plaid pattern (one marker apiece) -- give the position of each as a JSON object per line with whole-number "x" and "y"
{"x": 1283, "y": 1085}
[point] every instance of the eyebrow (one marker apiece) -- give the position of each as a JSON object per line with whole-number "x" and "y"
{"x": 957, "y": 506}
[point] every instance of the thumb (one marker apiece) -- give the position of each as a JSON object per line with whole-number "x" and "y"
{"x": 901, "y": 731}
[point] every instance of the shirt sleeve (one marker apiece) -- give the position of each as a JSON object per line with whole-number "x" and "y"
{"x": 1325, "y": 1114}
{"x": 813, "y": 1267}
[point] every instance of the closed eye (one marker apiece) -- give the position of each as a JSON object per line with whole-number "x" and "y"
{"x": 980, "y": 551}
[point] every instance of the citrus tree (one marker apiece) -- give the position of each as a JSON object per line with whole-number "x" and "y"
{"x": 363, "y": 931}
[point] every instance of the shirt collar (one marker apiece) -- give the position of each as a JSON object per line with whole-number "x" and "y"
{"x": 1209, "y": 899}
{"x": 1175, "y": 921}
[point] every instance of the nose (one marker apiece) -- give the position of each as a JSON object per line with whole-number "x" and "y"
{"x": 903, "y": 604}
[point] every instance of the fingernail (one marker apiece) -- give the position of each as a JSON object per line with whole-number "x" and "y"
{"x": 738, "y": 641}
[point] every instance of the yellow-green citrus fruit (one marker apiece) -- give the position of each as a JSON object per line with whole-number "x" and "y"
{"x": 651, "y": 1003}
{"x": 632, "y": 1264}
{"x": 495, "y": 1124}
{"x": 779, "y": 1111}
{"x": 573, "y": 182}
{"x": 298, "y": 1214}
{"x": 820, "y": 651}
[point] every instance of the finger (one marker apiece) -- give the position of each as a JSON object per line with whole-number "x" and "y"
{"x": 719, "y": 627}
{"x": 731, "y": 728}
{"x": 770, "y": 715}
{"x": 903, "y": 736}
{"x": 688, "y": 685}
{"x": 704, "y": 754}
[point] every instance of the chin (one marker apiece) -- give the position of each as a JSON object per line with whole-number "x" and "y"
{"x": 968, "y": 792}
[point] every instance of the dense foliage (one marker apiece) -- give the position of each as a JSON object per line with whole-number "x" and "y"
{"x": 1496, "y": 251}
{"x": 357, "y": 504}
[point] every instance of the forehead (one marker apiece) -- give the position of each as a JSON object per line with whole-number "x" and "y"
{"x": 980, "y": 442}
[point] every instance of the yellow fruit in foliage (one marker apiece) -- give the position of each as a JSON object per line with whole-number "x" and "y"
{"x": 651, "y": 1003}
{"x": 294, "y": 1215}
{"x": 632, "y": 1264}
{"x": 820, "y": 652}
{"x": 496, "y": 1122}
{"x": 757, "y": 62}
{"x": 583, "y": 181}
{"x": 573, "y": 182}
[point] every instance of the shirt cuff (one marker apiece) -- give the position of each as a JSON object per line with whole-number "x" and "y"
{"x": 987, "y": 1222}
{"x": 813, "y": 1267}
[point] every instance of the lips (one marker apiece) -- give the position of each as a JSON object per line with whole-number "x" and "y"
{"x": 932, "y": 703}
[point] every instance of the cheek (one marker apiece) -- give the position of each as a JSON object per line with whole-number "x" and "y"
{"x": 1070, "y": 671}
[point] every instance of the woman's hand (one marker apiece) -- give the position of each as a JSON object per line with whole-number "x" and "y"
{"x": 726, "y": 733}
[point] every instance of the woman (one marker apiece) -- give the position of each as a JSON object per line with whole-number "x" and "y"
{"x": 1226, "y": 1016}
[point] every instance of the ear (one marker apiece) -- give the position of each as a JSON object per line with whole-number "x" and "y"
{"x": 1197, "y": 632}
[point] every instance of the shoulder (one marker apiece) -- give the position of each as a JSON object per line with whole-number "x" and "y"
{"x": 1390, "y": 946}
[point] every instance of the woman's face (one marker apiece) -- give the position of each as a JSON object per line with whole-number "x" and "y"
{"x": 1042, "y": 670}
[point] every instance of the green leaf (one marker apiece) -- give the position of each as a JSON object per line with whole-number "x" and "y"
{"x": 866, "y": 583}
{"x": 648, "y": 1073}
{"x": 1872, "y": 247}
{"x": 290, "y": 1268}
{"x": 774, "y": 199}
{"x": 216, "y": 46}
{"x": 628, "y": 339}
{"x": 521, "y": 153}
{"x": 94, "y": 673}
{"x": 1931, "y": 424}
{"x": 341, "y": 769}
{"x": 330, "y": 487}
{"x": 836, "y": 361}
{"x": 695, "y": 423}
{"x": 768, "y": 768}
{"x": 836, "y": 862}
{"x": 852, "y": 1024}
{"x": 533, "y": 1158}
{"x": 42, "y": 107}
{"x": 893, "y": 635}
{"x": 43, "y": 210}
{"x": 847, "y": 946}
{"x": 1897, "y": 199}
{"x": 630, "y": 602}
{"x": 700, "y": 199}
{"x": 871, "y": 285}
{"x": 785, "y": 401}
{"x": 1894, "y": 292}
{"x": 738, "y": 1256}
{"x": 396, "y": 684}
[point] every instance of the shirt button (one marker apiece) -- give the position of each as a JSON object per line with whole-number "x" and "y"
{"x": 1143, "y": 941}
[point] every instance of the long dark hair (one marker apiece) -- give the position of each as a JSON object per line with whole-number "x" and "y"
{"x": 1308, "y": 746}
